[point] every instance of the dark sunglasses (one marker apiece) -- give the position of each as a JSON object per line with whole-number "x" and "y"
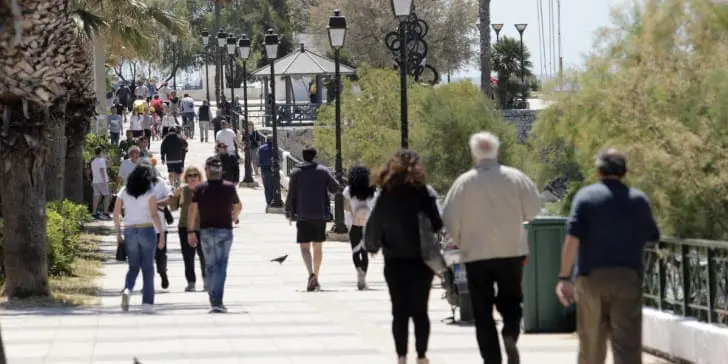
{"x": 192, "y": 175}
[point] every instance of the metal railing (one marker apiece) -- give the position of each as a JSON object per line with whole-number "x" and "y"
{"x": 294, "y": 114}
{"x": 688, "y": 278}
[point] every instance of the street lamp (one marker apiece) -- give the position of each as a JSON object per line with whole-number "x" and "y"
{"x": 174, "y": 61}
{"x": 337, "y": 35}
{"x": 522, "y": 28}
{"x": 232, "y": 45}
{"x": 497, "y": 28}
{"x": 244, "y": 46}
{"x": 221, "y": 42}
{"x": 271, "y": 42}
{"x": 402, "y": 10}
{"x": 205, "y": 42}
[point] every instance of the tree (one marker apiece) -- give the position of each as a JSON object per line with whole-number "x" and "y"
{"x": 506, "y": 61}
{"x": 484, "y": 30}
{"x": 655, "y": 87}
{"x": 369, "y": 21}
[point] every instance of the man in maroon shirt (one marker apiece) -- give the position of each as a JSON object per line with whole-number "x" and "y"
{"x": 217, "y": 203}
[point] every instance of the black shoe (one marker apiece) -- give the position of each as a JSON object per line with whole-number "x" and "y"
{"x": 511, "y": 350}
{"x": 165, "y": 280}
{"x": 312, "y": 283}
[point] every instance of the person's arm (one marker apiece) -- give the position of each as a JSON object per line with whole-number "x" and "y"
{"x": 237, "y": 205}
{"x": 118, "y": 182}
{"x": 432, "y": 211}
{"x": 653, "y": 231}
{"x": 163, "y": 149}
{"x": 373, "y": 231}
{"x": 332, "y": 184}
{"x": 530, "y": 199}
{"x": 452, "y": 210}
{"x": 174, "y": 202}
{"x": 117, "y": 217}
{"x": 154, "y": 214}
{"x": 576, "y": 230}
{"x": 192, "y": 211}
{"x": 291, "y": 197}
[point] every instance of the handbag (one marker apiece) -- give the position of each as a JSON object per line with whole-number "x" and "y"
{"x": 120, "y": 251}
{"x": 112, "y": 204}
{"x": 430, "y": 246}
{"x": 168, "y": 215}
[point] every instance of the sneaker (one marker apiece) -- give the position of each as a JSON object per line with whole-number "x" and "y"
{"x": 106, "y": 216}
{"x": 125, "y": 295}
{"x": 511, "y": 350}
{"x": 402, "y": 360}
{"x": 190, "y": 287}
{"x": 96, "y": 216}
{"x": 147, "y": 308}
{"x": 312, "y": 283}
{"x": 165, "y": 280}
{"x": 361, "y": 276}
{"x": 218, "y": 309}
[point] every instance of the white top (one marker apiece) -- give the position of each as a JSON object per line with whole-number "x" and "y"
{"x": 227, "y": 136}
{"x": 356, "y": 204}
{"x": 142, "y": 91}
{"x": 136, "y": 122}
{"x": 98, "y": 170}
{"x": 125, "y": 169}
{"x": 163, "y": 93}
{"x": 188, "y": 104}
{"x": 168, "y": 121}
{"x": 161, "y": 190}
{"x": 136, "y": 210}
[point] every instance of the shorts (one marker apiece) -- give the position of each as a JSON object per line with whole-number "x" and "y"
{"x": 137, "y": 133}
{"x": 175, "y": 167}
{"x": 147, "y": 133}
{"x": 101, "y": 189}
{"x": 311, "y": 231}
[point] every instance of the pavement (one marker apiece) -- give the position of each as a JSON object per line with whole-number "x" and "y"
{"x": 272, "y": 319}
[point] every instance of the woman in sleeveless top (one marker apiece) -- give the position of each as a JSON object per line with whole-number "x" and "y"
{"x": 359, "y": 197}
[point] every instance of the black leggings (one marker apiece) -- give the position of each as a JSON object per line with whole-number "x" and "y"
{"x": 358, "y": 253}
{"x": 188, "y": 255}
{"x": 409, "y": 282}
{"x": 160, "y": 256}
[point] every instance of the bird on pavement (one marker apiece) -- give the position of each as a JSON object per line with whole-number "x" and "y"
{"x": 280, "y": 260}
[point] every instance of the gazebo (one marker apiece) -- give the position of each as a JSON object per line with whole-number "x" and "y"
{"x": 298, "y": 64}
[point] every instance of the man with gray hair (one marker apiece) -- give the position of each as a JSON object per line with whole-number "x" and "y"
{"x": 484, "y": 213}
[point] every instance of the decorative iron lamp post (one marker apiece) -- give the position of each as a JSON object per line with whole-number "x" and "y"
{"x": 232, "y": 46}
{"x": 522, "y": 28}
{"x": 337, "y": 35}
{"x": 205, "y": 42}
{"x": 271, "y": 42}
{"x": 221, "y": 42}
{"x": 497, "y": 28}
{"x": 174, "y": 61}
{"x": 402, "y": 10}
{"x": 244, "y": 47}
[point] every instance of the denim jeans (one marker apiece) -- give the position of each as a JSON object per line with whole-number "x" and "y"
{"x": 141, "y": 244}
{"x": 267, "y": 184}
{"x": 216, "y": 245}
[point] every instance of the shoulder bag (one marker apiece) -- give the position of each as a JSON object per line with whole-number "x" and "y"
{"x": 430, "y": 246}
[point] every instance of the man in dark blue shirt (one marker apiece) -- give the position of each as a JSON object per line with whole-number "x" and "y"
{"x": 608, "y": 227}
{"x": 265, "y": 162}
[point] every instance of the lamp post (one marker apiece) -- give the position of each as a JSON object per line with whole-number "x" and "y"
{"x": 497, "y": 28}
{"x": 221, "y": 42}
{"x": 244, "y": 44}
{"x": 271, "y": 42}
{"x": 232, "y": 45}
{"x": 174, "y": 62}
{"x": 522, "y": 28}
{"x": 205, "y": 42}
{"x": 337, "y": 35}
{"x": 402, "y": 10}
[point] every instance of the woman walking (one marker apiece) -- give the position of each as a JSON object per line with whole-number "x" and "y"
{"x": 359, "y": 197}
{"x": 182, "y": 200}
{"x": 140, "y": 220}
{"x": 394, "y": 227}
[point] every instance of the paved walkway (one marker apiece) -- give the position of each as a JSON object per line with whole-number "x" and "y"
{"x": 272, "y": 319}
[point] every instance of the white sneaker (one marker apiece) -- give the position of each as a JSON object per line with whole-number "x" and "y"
{"x": 125, "y": 295}
{"x": 361, "y": 282}
{"x": 147, "y": 308}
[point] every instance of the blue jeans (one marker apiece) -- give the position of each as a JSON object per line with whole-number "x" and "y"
{"x": 216, "y": 245}
{"x": 141, "y": 245}
{"x": 267, "y": 184}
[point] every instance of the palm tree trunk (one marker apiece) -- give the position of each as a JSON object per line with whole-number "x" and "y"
{"x": 76, "y": 128}
{"x": 55, "y": 163}
{"x": 99, "y": 67}
{"x": 2, "y": 350}
{"x": 485, "y": 66}
{"x": 24, "y": 218}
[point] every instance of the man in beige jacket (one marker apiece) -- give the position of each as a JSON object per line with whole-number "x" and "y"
{"x": 484, "y": 213}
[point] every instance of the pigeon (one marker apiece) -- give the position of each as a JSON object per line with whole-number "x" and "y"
{"x": 280, "y": 260}
{"x": 136, "y": 361}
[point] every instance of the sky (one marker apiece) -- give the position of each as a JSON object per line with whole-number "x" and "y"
{"x": 579, "y": 21}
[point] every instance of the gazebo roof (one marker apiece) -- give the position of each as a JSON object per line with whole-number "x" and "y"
{"x": 302, "y": 62}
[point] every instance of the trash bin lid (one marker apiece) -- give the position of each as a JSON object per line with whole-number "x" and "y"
{"x": 547, "y": 220}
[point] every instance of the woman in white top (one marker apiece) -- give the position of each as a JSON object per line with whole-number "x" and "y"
{"x": 359, "y": 198}
{"x": 140, "y": 221}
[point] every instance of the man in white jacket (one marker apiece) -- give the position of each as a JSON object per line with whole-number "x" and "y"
{"x": 484, "y": 213}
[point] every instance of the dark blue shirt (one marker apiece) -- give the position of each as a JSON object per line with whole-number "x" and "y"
{"x": 265, "y": 156}
{"x": 613, "y": 223}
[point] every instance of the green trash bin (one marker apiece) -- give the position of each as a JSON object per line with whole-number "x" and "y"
{"x": 542, "y": 311}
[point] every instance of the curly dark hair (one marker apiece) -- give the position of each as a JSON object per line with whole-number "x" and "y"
{"x": 360, "y": 184}
{"x": 404, "y": 168}
{"x": 140, "y": 180}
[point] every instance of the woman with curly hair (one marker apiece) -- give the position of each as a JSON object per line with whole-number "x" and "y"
{"x": 182, "y": 200}
{"x": 359, "y": 197}
{"x": 393, "y": 227}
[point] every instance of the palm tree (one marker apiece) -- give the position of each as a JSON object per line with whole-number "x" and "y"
{"x": 484, "y": 28}
{"x": 506, "y": 60}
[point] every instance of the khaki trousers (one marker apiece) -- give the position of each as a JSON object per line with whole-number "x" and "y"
{"x": 609, "y": 306}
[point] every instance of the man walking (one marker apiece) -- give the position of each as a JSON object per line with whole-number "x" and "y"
{"x": 229, "y": 156}
{"x": 608, "y": 227}
{"x": 265, "y": 162}
{"x": 187, "y": 106}
{"x": 217, "y": 204}
{"x": 308, "y": 204}
{"x": 217, "y": 122}
{"x": 484, "y": 213}
{"x": 100, "y": 184}
{"x": 172, "y": 152}
{"x": 126, "y": 167}
{"x": 204, "y": 117}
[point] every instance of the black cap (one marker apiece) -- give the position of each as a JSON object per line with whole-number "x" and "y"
{"x": 213, "y": 162}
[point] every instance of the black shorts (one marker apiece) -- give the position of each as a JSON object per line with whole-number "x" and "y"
{"x": 175, "y": 167}
{"x": 311, "y": 231}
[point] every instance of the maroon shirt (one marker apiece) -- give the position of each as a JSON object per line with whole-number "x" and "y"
{"x": 215, "y": 200}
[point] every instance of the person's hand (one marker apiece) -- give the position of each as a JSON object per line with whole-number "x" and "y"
{"x": 161, "y": 242}
{"x": 163, "y": 162}
{"x": 119, "y": 238}
{"x": 565, "y": 292}
{"x": 192, "y": 239}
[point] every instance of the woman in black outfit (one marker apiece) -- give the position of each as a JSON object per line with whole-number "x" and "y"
{"x": 394, "y": 227}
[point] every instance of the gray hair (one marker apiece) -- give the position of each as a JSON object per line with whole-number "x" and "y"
{"x": 484, "y": 145}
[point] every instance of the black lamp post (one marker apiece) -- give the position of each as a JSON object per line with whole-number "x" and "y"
{"x": 402, "y": 10}
{"x": 244, "y": 45}
{"x": 219, "y": 94}
{"x": 497, "y": 28}
{"x": 205, "y": 42}
{"x": 522, "y": 28}
{"x": 174, "y": 61}
{"x": 271, "y": 42}
{"x": 337, "y": 35}
{"x": 232, "y": 45}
